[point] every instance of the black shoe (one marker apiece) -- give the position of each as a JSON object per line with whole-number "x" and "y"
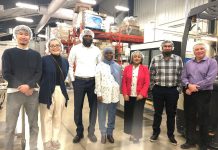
{"x": 203, "y": 147}
{"x": 187, "y": 145}
{"x": 92, "y": 138}
{"x": 154, "y": 137}
{"x": 110, "y": 138}
{"x": 77, "y": 138}
{"x": 103, "y": 139}
{"x": 173, "y": 140}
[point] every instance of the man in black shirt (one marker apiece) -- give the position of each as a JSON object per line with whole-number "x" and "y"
{"x": 22, "y": 68}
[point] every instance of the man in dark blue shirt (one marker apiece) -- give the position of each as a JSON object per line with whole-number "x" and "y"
{"x": 22, "y": 68}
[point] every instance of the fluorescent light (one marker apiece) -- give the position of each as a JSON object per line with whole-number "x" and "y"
{"x": 121, "y": 8}
{"x": 92, "y": 2}
{"x": 60, "y": 23}
{"x": 42, "y": 36}
{"x": 24, "y": 19}
{"x": 28, "y": 6}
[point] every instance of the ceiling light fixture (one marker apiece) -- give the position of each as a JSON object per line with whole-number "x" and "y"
{"x": 24, "y": 19}
{"x": 28, "y": 6}
{"x": 92, "y": 2}
{"x": 121, "y": 8}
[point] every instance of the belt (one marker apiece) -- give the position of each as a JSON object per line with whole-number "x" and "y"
{"x": 165, "y": 86}
{"x": 86, "y": 79}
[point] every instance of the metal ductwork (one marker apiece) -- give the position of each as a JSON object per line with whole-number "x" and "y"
{"x": 61, "y": 13}
{"x": 52, "y": 8}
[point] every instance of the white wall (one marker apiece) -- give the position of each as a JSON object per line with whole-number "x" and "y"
{"x": 161, "y": 17}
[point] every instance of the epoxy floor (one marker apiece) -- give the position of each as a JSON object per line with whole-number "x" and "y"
{"x": 121, "y": 139}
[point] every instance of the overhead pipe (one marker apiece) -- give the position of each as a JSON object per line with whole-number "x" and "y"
{"x": 52, "y": 8}
{"x": 61, "y": 13}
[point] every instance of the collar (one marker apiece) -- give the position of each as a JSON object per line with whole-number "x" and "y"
{"x": 23, "y": 48}
{"x": 204, "y": 59}
{"x": 171, "y": 57}
{"x": 87, "y": 47}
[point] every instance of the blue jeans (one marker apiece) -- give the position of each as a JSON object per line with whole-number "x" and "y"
{"x": 102, "y": 111}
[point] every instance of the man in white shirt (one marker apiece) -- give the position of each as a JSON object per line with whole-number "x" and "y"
{"x": 85, "y": 56}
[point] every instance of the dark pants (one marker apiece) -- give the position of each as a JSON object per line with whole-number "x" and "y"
{"x": 168, "y": 97}
{"x": 133, "y": 117}
{"x": 196, "y": 108}
{"x": 213, "y": 111}
{"x": 82, "y": 87}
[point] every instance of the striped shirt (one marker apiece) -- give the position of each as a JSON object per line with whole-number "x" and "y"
{"x": 166, "y": 72}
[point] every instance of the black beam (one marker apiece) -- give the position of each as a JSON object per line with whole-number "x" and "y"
{"x": 131, "y": 7}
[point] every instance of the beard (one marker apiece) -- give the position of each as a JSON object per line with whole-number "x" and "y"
{"x": 87, "y": 43}
{"x": 167, "y": 54}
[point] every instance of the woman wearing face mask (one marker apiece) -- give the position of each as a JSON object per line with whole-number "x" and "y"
{"x": 107, "y": 87}
{"x": 53, "y": 94}
{"x": 135, "y": 84}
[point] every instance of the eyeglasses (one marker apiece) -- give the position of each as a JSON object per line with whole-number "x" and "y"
{"x": 54, "y": 46}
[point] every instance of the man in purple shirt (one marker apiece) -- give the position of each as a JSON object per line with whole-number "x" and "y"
{"x": 198, "y": 77}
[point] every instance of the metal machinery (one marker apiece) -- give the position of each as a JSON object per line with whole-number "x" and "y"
{"x": 207, "y": 12}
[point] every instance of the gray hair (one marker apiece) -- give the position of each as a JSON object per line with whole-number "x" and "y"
{"x": 22, "y": 28}
{"x": 134, "y": 53}
{"x": 205, "y": 47}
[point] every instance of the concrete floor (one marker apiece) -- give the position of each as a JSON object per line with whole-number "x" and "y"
{"x": 121, "y": 139}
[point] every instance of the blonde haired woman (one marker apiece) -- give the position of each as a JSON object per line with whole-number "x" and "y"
{"x": 53, "y": 94}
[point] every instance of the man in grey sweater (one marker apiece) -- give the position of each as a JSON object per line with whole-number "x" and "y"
{"x": 22, "y": 68}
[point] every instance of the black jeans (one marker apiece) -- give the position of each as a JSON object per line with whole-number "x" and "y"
{"x": 196, "y": 109}
{"x": 168, "y": 97}
{"x": 82, "y": 87}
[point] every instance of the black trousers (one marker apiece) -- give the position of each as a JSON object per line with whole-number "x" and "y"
{"x": 164, "y": 97}
{"x": 213, "y": 111}
{"x": 82, "y": 87}
{"x": 196, "y": 109}
{"x": 133, "y": 117}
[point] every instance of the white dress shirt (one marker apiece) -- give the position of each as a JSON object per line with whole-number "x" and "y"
{"x": 85, "y": 58}
{"x": 105, "y": 84}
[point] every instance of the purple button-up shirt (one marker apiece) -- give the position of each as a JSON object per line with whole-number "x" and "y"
{"x": 202, "y": 73}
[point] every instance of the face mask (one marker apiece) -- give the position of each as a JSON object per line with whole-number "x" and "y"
{"x": 87, "y": 43}
{"x": 167, "y": 54}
